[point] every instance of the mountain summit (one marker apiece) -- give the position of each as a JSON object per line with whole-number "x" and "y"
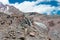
{"x": 8, "y": 9}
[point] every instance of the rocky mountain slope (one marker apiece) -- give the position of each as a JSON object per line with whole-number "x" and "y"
{"x": 16, "y": 25}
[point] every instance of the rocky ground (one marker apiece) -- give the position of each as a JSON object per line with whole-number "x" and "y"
{"x": 29, "y": 26}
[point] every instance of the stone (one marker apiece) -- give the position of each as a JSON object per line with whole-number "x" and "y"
{"x": 32, "y": 34}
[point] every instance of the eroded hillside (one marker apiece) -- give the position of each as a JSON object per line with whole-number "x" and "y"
{"x": 32, "y": 26}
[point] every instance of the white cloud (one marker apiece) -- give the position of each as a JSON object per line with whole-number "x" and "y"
{"x": 58, "y": 0}
{"x": 31, "y": 7}
{"x": 27, "y": 6}
{"x": 4, "y": 1}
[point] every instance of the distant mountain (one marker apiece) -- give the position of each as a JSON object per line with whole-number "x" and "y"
{"x": 8, "y": 9}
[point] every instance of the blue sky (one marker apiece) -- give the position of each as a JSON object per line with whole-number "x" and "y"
{"x": 19, "y": 1}
{"x": 52, "y": 3}
{"x": 48, "y": 7}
